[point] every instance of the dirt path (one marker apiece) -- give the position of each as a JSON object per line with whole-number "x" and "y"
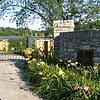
{"x": 11, "y": 84}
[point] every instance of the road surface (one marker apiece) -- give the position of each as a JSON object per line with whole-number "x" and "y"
{"x": 12, "y": 87}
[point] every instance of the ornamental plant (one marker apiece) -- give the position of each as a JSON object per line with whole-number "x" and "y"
{"x": 71, "y": 82}
{"x": 38, "y": 54}
{"x": 28, "y": 53}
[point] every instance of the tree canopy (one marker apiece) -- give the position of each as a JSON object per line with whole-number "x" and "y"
{"x": 24, "y": 11}
{"x": 19, "y": 32}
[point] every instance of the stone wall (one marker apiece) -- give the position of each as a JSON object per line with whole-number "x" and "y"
{"x": 61, "y": 26}
{"x": 71, "y": 42}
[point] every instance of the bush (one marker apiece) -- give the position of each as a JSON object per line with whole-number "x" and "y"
{"x": 64, "y": 83}
{"x": 38, "y": 54}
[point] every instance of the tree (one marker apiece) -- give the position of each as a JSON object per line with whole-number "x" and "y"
{"x": 24, "y": 11}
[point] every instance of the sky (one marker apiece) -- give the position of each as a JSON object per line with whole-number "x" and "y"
{"x": 4, "y": 22}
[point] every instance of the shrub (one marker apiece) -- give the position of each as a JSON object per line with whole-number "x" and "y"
{"x": 38, "y": 54}
{"x": 71, "y": 82}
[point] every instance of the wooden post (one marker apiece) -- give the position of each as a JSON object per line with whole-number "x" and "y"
{"x": 46, "y": 48}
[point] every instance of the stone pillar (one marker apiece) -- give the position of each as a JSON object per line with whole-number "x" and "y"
{"x": 61, "y": 26}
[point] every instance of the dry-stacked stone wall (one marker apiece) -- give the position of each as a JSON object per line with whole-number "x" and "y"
{"x": 71, "y": 42}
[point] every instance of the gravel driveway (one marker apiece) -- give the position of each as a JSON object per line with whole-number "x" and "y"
{"x": 11, "y": 85}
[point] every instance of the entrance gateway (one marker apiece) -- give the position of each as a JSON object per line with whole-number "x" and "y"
{"x": 12, "y": 47}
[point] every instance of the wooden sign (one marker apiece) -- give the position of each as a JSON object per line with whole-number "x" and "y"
{"x": 63, "y": 26}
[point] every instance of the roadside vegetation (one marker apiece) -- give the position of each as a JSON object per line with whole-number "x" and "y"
{"x": 61, "y": 80}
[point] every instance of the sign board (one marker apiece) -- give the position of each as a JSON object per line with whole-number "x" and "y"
{"x": 63, "y": 26}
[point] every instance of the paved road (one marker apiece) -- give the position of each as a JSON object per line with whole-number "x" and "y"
{"x": 11, "y": 85}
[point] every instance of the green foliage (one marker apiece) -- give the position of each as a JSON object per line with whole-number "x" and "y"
{"x": 81, "y": 11}
{"x": 13, "y": 32}
{"x": 21, "y": 32}
{"x": 38, "y": 54}
{"x": 61, "y": 84}
{"x": 72, "y": 82}
{"x": 48, "y": 31}
{"x": 17, "y": 45}
{"x": 89, "y": 25}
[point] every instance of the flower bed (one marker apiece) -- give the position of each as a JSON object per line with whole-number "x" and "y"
{"x": 71, "y": 82}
